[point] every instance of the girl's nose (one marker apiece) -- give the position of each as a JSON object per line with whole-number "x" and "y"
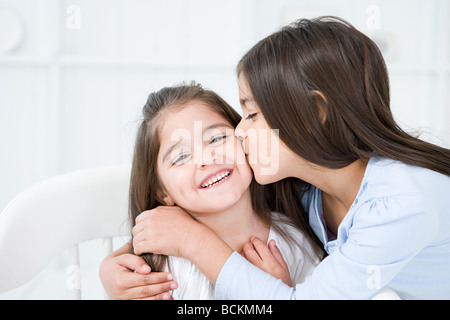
{"x": 239, "y": 132}
{"x": 207, "y": 157}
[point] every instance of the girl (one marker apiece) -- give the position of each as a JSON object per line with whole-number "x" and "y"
{"x": 378, "y": 197}
{"x": 186, "y": 156}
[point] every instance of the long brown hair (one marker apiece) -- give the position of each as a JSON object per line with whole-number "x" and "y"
{"x": 325, "y": 86}
{"x": 145, "y": 185}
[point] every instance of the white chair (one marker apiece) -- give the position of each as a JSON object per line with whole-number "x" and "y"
{"x": 60, "y": 213}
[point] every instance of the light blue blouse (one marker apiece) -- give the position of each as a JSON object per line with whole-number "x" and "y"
{"x": 396, "y": 234}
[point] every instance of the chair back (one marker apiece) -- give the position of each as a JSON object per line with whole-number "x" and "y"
{"x": 59, "y": 213}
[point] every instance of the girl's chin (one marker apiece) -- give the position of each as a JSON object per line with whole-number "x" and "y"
{"x": 262, "y": 177}
{"x": 222, "y": 202}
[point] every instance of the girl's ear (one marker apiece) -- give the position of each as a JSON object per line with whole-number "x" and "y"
{"x": 164, "y": 198}
{"x": 322, "y": 101}
{"x": 167, "y": 200}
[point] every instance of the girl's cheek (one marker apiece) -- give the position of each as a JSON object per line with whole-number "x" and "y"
{"x": 239, "y": 156}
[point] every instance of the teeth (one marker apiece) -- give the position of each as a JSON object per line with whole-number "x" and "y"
{"x": 216, "y": 179}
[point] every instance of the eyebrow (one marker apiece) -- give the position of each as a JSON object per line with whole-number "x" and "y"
{"x": 171, "y": 149}
{"x": 244, "y": 101}
{"x": 176, "y": 144}
{"x": 217, "y": 125}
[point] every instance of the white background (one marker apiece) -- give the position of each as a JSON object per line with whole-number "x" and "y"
{"x": 74, "y": 76}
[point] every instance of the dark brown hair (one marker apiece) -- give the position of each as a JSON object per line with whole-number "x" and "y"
{"x": 145, "y": 185}
{"x": 325, "y": 86}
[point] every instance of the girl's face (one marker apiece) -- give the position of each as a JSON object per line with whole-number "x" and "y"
{"x": 200, "y": 163}
{"x": 270, "y": 159}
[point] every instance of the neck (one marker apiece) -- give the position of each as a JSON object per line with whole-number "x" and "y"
{"x": 339, "y": 189}
{"x": 343, "y": 184}
{"x": 237, "y": 224}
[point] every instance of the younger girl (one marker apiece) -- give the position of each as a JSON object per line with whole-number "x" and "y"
{"x": 187, "y": 156}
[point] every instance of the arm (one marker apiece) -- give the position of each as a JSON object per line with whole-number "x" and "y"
{"x": 126, "y": 276}
{"x": 171, "y": 231}
{"x": 209, "y": 253}
{"x": 378, "y": 247}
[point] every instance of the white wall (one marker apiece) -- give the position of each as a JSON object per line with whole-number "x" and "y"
{"x": 75, "y": 74}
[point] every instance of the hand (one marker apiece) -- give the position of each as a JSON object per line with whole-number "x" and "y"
{"x": 267, "y": 258}
{"x": 172, "y": 231}
{"x": 126, "y": 276}
{"x": 164, "y": 230}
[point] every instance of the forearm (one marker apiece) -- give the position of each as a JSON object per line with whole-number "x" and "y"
{"x": 208, "y": 252}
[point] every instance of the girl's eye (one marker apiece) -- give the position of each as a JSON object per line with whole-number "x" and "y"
{"x": 181, "y": 158}
{"x": 217, "y": 139}
{"x": 250, "y": 116}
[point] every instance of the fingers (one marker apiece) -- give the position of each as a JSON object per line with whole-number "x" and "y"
{"x": 161, "y": 296}
{"x": 134, "y": 263}
{"x": 139, "y": 228}
{"x": 155, "y": 278}
{"x": 251, "y": 254}
{"x": 276, "y": 253}
{"x": 257, "y": 252}
{"x": 165, "y": 230}
{"x": 262, "y": 249}
{"x": 133, "y": 279}
{"x": 155, "y": 291}
{"x": 140, "y": 244}
{"x": 143, "y": 216}
{"x": 143, "y": 275}
{"x": 136, "y": 286}
{"x": 267, "y": 258}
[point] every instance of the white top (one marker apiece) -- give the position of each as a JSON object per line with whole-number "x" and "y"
{"x": 299, "y": 256}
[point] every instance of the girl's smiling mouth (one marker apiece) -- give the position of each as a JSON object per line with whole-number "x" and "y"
{"x": 216, "y": 178}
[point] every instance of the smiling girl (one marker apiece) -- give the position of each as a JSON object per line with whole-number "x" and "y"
{"x": 187, "y": 156}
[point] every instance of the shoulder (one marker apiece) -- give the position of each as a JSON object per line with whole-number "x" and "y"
{"x": 387, "y": 177}
{"x": 394, "y": 189}
{"x": 398, "y": 200}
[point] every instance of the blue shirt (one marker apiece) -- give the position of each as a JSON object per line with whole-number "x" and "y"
{"x": 396, "y": 234}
